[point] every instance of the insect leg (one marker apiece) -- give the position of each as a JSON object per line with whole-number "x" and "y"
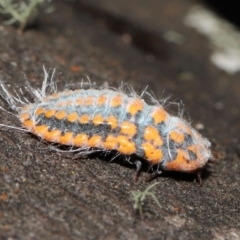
{"x": 138, "y": 165}
{"x": 199, "y": 178}
{"x": 154, "y": 175}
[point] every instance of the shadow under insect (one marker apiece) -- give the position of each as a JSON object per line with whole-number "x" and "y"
{"x": 133, "y": 162}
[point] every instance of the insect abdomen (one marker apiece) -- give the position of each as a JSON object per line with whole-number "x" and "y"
{"x": 102, "y": 119}
{"x": 111, "y": 120}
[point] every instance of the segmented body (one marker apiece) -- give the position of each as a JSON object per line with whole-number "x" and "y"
{"x": 111, "y": 120}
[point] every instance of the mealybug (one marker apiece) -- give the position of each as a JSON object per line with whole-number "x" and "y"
{"x": 111, "y": 120}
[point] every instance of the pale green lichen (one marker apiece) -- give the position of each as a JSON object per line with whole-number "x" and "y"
{"x": 139, "y": 197}
{"x": 22, "y": 12}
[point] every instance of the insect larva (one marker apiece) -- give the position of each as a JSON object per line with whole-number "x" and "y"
{"x": 111, "y": 120}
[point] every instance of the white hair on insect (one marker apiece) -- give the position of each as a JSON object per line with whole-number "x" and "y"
{"x": 16, "y": 128}
{"x": 13, "y": 102}
{"x": 47, "y": 85}
{"x": 18, "y": 100}
{"x": 153, "y": 100}
{"x": 144, "y": 91}
{"x": 82, "y": 150}
{"x": 168, "y": 148}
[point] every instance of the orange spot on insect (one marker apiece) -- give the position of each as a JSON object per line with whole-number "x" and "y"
{"x": 39, "y": 111}
{"x": 45, "y": 99}
{"x": 67, "y": 92}
{"x": 112, "y": 121}
{"x": 72, "y": 117}
{"x": 116, "y": 101}
{"x": 151, "y": 134}
{"x": 52, "y": 136}
{"x": 89, "y": 101}
{"x": 159, "y": 115}
{"x": 95, "y": 141}
{"x": 125, "y": 146}
{"x": 84, "y": 119}
{"x": 41, "y": 130}
{"x": 80, "y": 140}
{"x": 182, "y": 163}
{"x": 101, "y": 99}
{"x": 78, "y": 90}
{"x": 193, "y": 149}
{"x": 66, "y": 139}
{"x": 61, "y": 104}
{"x": 98, "y": 119}
{"x": 153, "y": 154}
{"x": 50, "y": 113}
{"x": 68, "y": 103}
{"x": 28, "y": 124}
{"x": 61, "y": 114}
{"x": 55, "y": 95}
{"x": 177, "y": 136}
{"x": 26, "y": 108}
{"x": 23, "y": 117}
{"x": 135, "y": 106}
{"x": 111, "y": 142}
{"x": 79, "y": 101}
{"x": 128, "y": 128}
